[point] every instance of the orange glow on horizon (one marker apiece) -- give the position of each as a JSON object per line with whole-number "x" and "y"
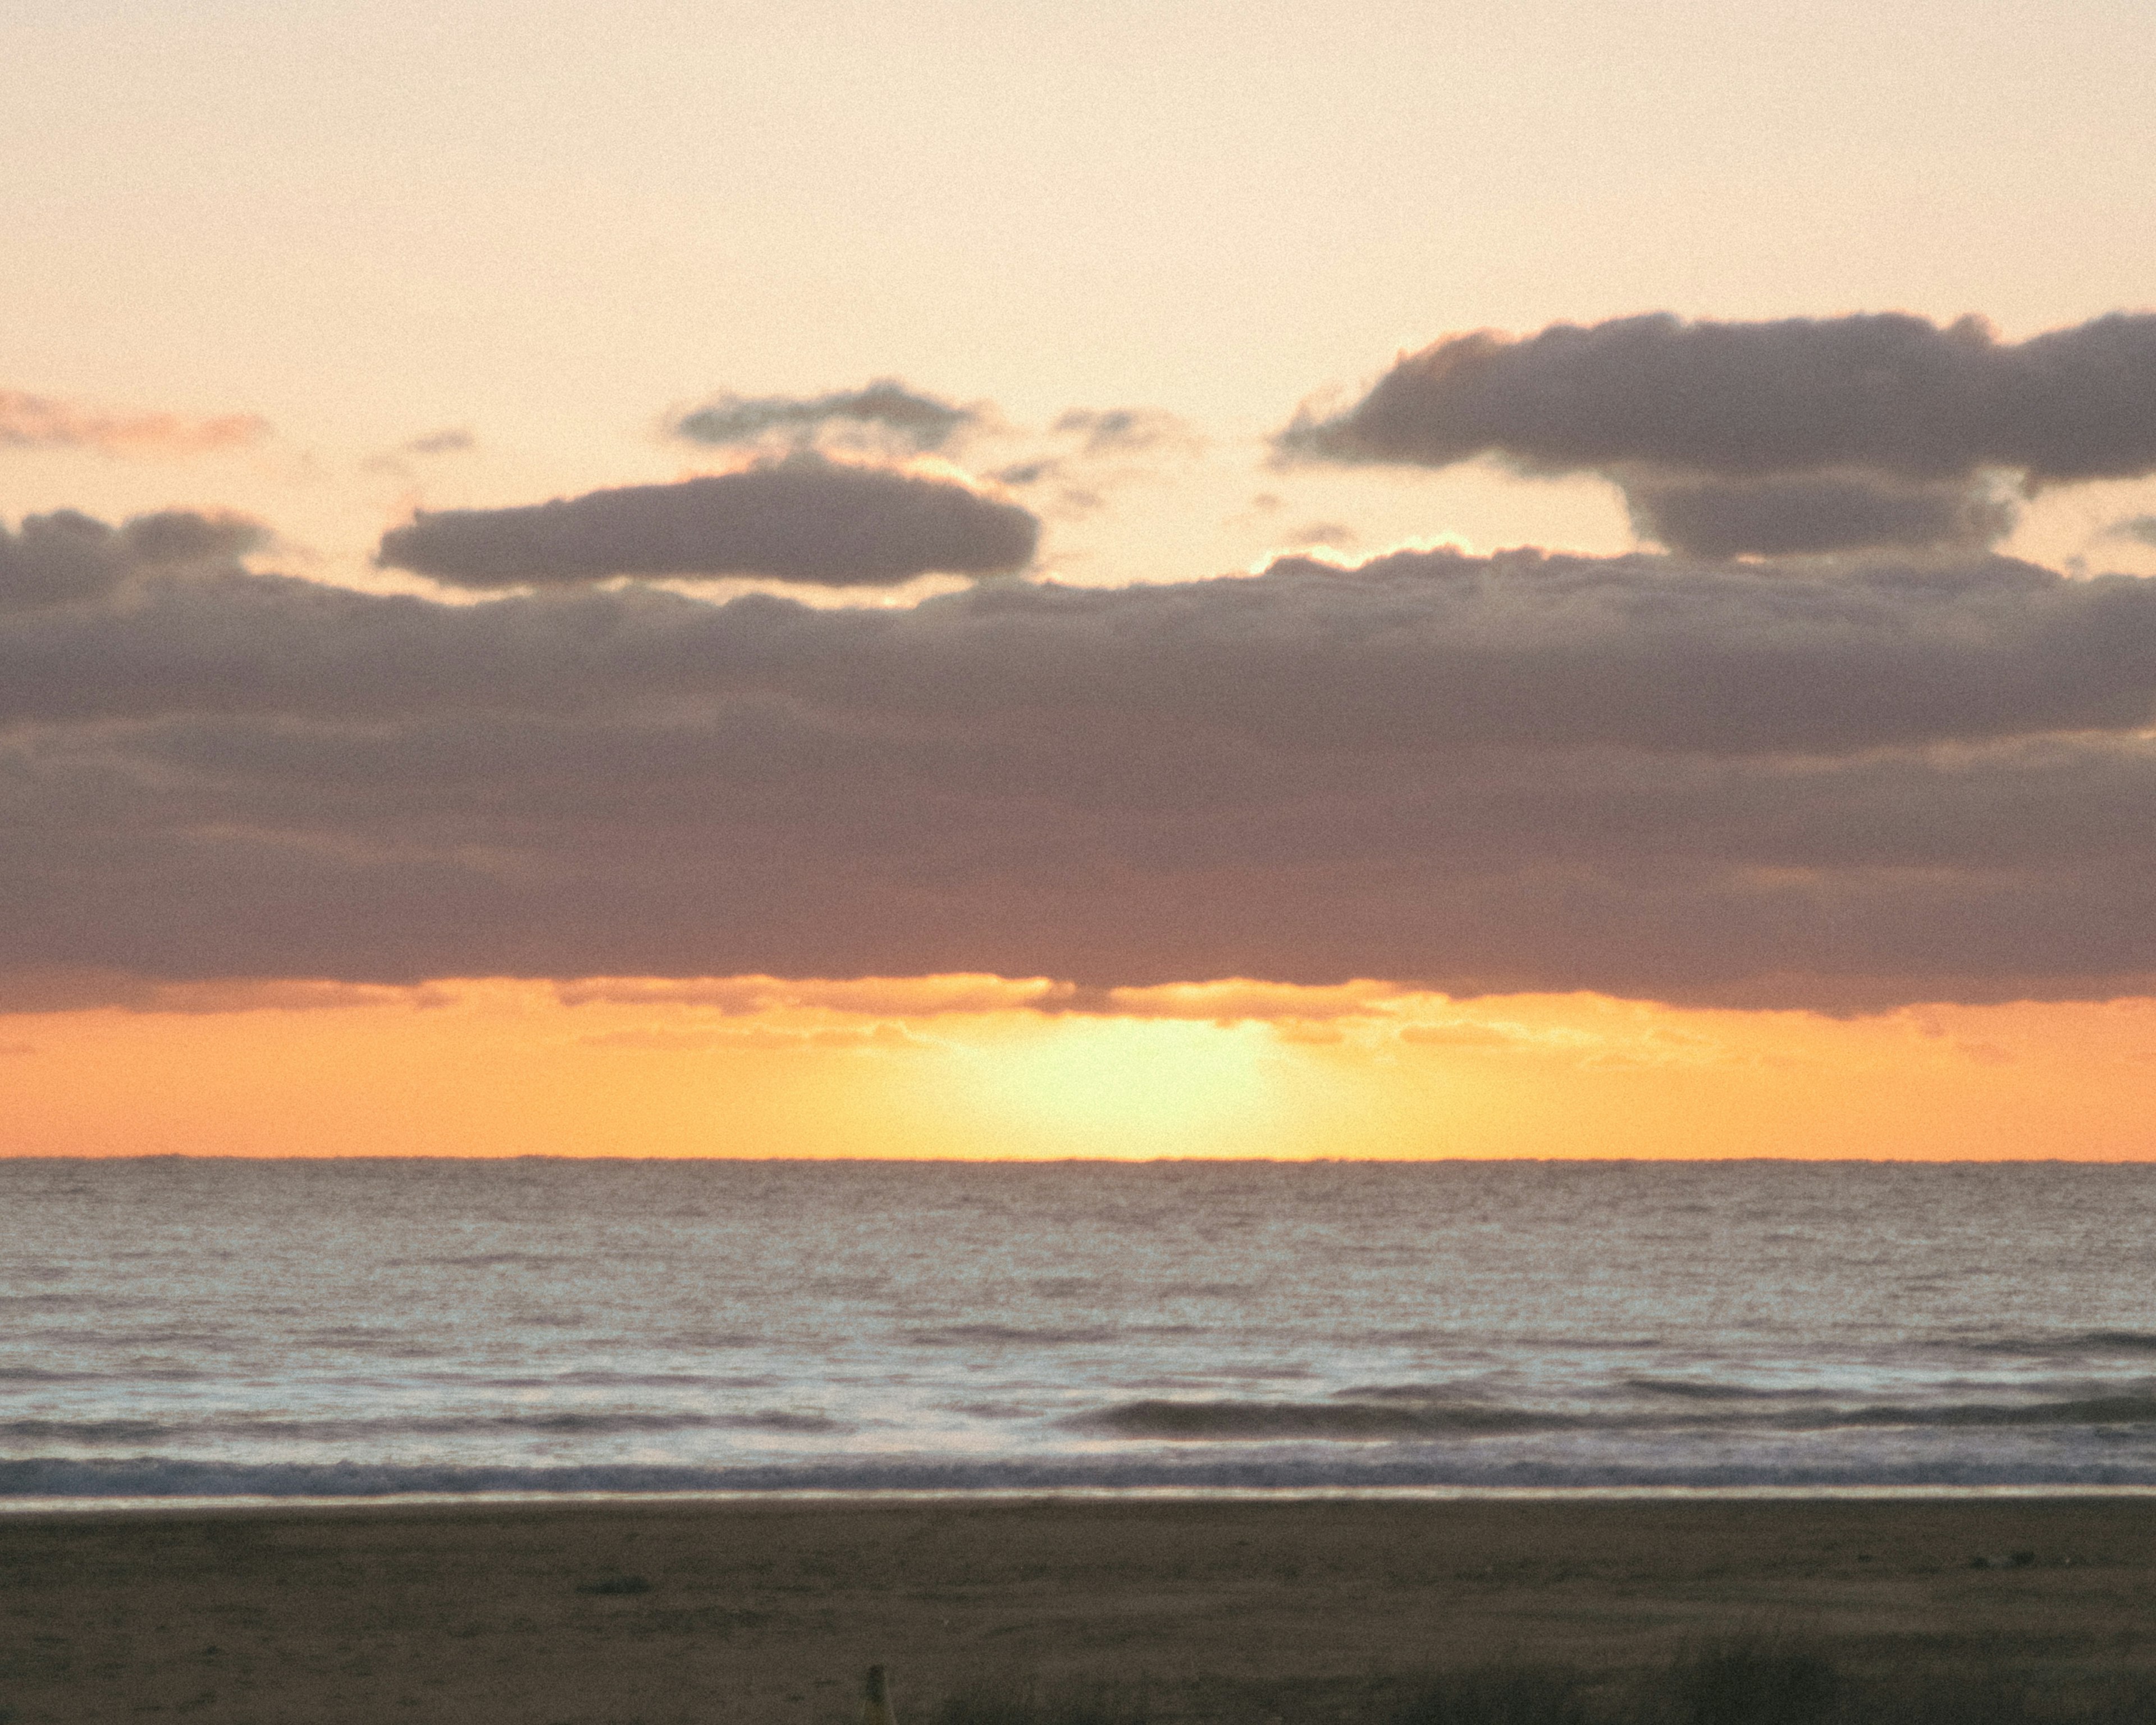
{"x": 985, "y": 1067}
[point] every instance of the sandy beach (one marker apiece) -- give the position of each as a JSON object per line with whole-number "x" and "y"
{"x": 1288, "y": 1611}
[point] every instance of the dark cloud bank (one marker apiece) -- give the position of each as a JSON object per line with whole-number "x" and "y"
{"x": 804, "y": 519}
{"x": 1677, "y": 778}
{"x": 1804, "y": 435}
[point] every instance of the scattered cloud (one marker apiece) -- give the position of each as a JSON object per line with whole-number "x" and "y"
{"x": 1888, "y": 393}
{"x": 1088, "y": 453}
{"x": 1802, "y": 434}
{"x": 885, "y": 412}
{"x": 452, "y": 442}
{"x": 1329, "y": 535}
{"x": 1104, "y": 432}
{"x": 1027, "y": 472}
{"x": 2140, "y": 528}
{"x": 802, "y": 519}
{"x": 398, "y": 462}
{"x": 39, "y": 422}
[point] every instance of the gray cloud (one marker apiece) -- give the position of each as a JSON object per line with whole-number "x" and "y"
{"x": 1418, "y": 650}
{"x": 887, "y": 406}
{"x": 1803, "y": 435}
{"x": 1647, "y": 775}
{"x": 1089, "y": 451}
{"x": 1889, "y": 393}
{"x": 1116, "y": 431}
{"x": 2141, "y": 528}
{"x": 1333, "y": 536}
{"x": 1780, "y": 514}
{"x": 1027, "y": 473}
{"x": 441, "y": 442}
{"x": 804, "y": 519}
{"x": 67, "y": 558}
{"x": 1424, "y": 649}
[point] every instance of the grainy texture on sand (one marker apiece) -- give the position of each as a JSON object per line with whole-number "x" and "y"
{"x": 1283, "y": 1611}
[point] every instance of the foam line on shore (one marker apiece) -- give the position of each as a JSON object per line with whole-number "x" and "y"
{"x": 870, "y": 1497}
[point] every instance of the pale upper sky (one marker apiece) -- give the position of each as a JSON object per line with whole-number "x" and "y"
{"x": 324, "y": 263}
{"x": 547, "y": 221}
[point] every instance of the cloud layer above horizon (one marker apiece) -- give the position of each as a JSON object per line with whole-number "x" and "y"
{"x": 1746, "y": 773}
{"x": 1677, "y": 778}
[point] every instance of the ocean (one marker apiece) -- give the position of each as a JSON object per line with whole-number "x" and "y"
{"x": 183, "y": 1327}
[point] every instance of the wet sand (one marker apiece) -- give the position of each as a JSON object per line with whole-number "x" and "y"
{"x": 663, "y": 1612}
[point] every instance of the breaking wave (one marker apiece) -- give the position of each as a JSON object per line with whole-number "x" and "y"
{"x": 565, "y": 1421}
{"x": 1369, "y": 1419}
{"x": 47, "y": 1477}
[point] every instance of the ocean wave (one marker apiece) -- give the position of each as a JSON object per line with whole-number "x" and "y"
{"x": 592, "y": 1379}
{"x": 2078, "y": 1343}
{"x": 2089, "y": 1410}
{"x": 561, "y": 1422}
{"x": 1380, "y": 1416}
{"x": 1690, "y": 1389}
{"x": 1345, "y": 1421}
{"x": 485, "y": 1261}
{"x": 995, "y": 1335}
{"x": 85, "y": 1431}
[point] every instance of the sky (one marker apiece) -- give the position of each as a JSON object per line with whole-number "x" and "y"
{"x": 991, "y": 580}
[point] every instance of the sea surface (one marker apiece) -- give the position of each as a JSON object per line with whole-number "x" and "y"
{"x": 201, "y": 1327}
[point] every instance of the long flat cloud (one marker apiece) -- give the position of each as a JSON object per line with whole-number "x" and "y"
{"x": 1416, "y": 651}
{"x": 40, "y": 422}
{"x": 805, "y": 519}
{"x": 1649, "y": 776}
{"x": 1893, "y": 393}
{"x": 1798, "y": 514}
{"x": 919, "y": 421}
{"x": 1805, "y": 435}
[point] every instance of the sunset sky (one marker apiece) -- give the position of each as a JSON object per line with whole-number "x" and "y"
{"x": 984, "y": 580}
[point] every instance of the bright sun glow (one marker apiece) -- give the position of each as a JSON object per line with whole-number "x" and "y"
{"x": 1125, "y": 1087}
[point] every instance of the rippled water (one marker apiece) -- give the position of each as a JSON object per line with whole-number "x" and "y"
{"x": 319, "y": 1327}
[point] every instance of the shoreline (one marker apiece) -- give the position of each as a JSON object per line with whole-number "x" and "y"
{"x": 1006, "y": 1495}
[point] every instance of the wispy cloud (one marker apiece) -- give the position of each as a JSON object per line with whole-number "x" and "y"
{"x": 886, "y": 411}
{"x": 41, "y": 422}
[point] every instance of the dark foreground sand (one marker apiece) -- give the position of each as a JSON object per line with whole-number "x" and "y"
{"x": 1250, "y": 1612}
